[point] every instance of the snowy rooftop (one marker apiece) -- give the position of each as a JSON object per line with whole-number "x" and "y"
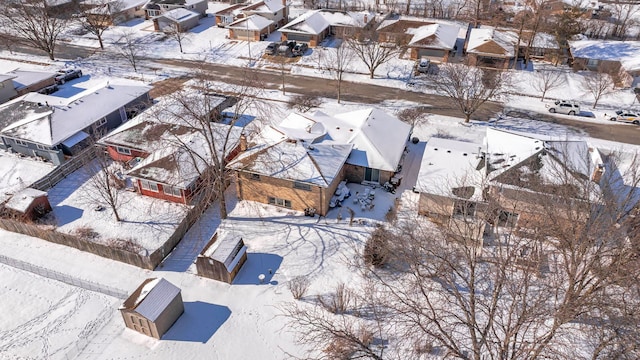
{"x": 24, "y": 78}
{"x": 179, "y": 15}
{"x": 378, "y": 138}
{"x": 21, "y": 200}
{"x": 311, "y": 22}
{"x": 448, "y": 164}
{"x": 627, "y": 52}
{"x": 152, "y": 298}
{"x": 19, "y": 172}
{"x": 491, "y": 41}
{"x": 174, "y": 163}
{"x": 253, "y": 22}
{"x": 266, "y": 6}
{"x": 440, "y": 36}
{"x": 49, "y": 120}
{"x": 224, "y": 249}
{"x": 276, "y": 156}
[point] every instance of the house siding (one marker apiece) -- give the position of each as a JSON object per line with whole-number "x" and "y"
{"x": 116, "y": 156}
{"x": 261, "y": 190}
{"x": 169, "y": 316}
{"x": 183, "y": 199}
{"x": 7, "y": 91}
{"x": 31, "y": 149}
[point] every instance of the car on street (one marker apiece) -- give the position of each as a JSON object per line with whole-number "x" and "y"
{"x": 564, "y": 107}
{"x": 65, "y": 75}
{"x": 423, "y": 65}
{"x": 300, "y": 49}
{"x": 629, "y": 116}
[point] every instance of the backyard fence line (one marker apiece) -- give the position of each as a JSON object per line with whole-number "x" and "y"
{"x": 65, "y": 169}
{"x": 67, "y": 279}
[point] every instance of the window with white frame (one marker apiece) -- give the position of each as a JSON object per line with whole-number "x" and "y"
{"x": 43, "y": 147}
{"x": 171, "y": 191}
{"x": 101, "y": 122}
{"x": 148, "y": 185}
{"x": 279, "y": 202}
{"x": 123, "y": 150}
{"x": 20, "y": 142}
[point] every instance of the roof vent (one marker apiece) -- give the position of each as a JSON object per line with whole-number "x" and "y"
{"x": 337, "y": 127}
{"x": 311, "y": 147}
{"x": 449, "y": 151}
{"x": 436, "y": 149}
{"x": 464, "y": 154}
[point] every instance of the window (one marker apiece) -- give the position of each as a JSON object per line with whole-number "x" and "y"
{"x": 148, "y": 185}
{"x": 592, "y": 62}
{"x": 101, "y": 122}
{"x": 372, "y": 174}
{"x": 20, "y": 142}
{"x": 506, "y": 218}
{"x": 123, "y": 150}
{"x": 301, "y": 186}
{"x": 279, "y": 202}
{"x": 170, "y": 190}
{"x": 255, "y": 177}
{"x": 43, "y": 147}
{"x": 464, "y": 208}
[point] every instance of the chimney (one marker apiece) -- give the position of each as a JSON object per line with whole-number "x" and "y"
{"x": 597, "y": 174}
{"x": 243, "y": 142}
{"x": 365, "y": 19}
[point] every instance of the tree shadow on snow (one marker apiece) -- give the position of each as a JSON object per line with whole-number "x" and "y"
{"x": 257, "y": 264}
{"x": 198, "y": 323}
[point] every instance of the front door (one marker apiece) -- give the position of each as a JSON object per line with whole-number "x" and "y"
{"x": 372, "y": 175}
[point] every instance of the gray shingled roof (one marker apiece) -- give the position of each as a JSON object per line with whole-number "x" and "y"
{"x": 157, "y": 300}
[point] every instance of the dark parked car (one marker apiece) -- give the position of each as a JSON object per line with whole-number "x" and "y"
{"x": 300, "y": 49}
{"x": 271, "y": 48}
{"x": 286, "y": 48}
{"x": 49, "y": 90}
{"x": 67, "y": 74}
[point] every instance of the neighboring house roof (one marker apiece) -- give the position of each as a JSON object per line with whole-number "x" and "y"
{"x": 266, "y": 6}
{"x": 183, "y": 157}
{"x": 4, "y": 78}
{"x": 151, "y": 298}
{"x": 440, "y": 36}
{"x": 50, "y": 120}
{"x": 316, "y": 21}
{"x": 253, "y": 22}
{"x": 179, "y": 15}
{"x": 103, "y": 7}
{"x": 492, "y": 42}
{"x": 275, "y": 155}
{"x": 505, "y": 158}
{"x": 25, "y": 78}
{"x": 378, "y": 138}
{"x": 448, "y": 164}
{"x": 626, "y": 52}
{"x": 311, "y": 22}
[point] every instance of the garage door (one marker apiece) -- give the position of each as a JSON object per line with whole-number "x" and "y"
{"x": 299, "y": 37}
{"x": 430, "y": 53}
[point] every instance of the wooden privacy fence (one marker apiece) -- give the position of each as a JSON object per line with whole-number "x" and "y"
{"x": 147, "y": 261}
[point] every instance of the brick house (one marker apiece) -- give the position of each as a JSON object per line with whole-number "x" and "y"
{"x": 431, "y": 38}
{"x": 51, "y": 128}
{"x": 166, "y": 159}
{"x": 289, "y": 173}
{"x": 314, "y": 26}
{"x": 252, "y": 28}
{"x": 617, "y": 58}
{"x": 177, "y": 19}
{"x": 299, "y": 163}
{"x": 153, "y": 307}
{"x": 155, "y": 8}
{"x": 492, "y": 48}
{"x": 274, "y": 10}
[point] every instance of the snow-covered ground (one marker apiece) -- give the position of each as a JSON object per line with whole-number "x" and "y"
{"x": 19, "y": 172}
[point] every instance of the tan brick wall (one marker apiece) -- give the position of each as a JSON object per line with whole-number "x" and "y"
{"x": 261, "y": 190}
{"x": 355, "y": 174}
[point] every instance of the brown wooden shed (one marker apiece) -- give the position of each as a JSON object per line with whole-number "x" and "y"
{"x": 28, "y": 204}
{"x": 153, "y": 307}
{"x": 222, "y": 258}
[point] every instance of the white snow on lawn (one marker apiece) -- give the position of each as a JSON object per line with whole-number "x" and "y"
{"x": 19, "y": 172}
{"x": 148, "y": 220}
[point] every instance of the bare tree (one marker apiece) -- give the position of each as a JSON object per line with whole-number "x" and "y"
{"x": 129, "y": 49}
{"x": 97, "y": 19}
{"x": 559, "y": 267}
{"x": 598, "y": 84}
{"x": 624, "y": 15}
{"x": 175, "y": 32}
{"x": 34, "y": 22}
{"x": 469, "y": 87}
{"x": 218, "y": 136}
{"x": 337, "y": 62}
{"x": 105, "y": 182}
{"x": 548, "y": 80}
{"x": 304, "y": 103}
{"x": 370, "y": 51}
